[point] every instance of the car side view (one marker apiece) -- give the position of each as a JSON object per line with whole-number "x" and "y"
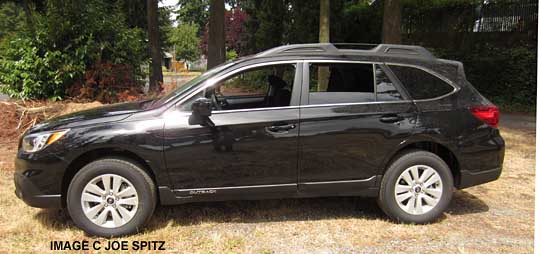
{"x": 391, "y": 122}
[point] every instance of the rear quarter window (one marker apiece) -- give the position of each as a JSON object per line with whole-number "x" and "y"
{"x": 421, "y": 84}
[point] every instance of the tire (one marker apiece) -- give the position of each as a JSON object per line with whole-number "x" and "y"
{"x": 396, "y": 187}
{"x": 122, "y": 211}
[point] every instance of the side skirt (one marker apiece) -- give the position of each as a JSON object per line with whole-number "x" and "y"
{"x": 364, "y": 188}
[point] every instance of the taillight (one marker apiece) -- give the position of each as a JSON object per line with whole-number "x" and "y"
{"x": 488, "y": 114}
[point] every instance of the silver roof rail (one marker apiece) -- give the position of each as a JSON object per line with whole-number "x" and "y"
{"x": 349, "y": 48}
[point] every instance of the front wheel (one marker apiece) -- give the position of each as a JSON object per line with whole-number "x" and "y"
{"x": 416, "y": 188}
{"x": 111, "y": 197}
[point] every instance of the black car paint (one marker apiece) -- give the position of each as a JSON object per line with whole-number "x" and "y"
{"x": 322, "y": 150}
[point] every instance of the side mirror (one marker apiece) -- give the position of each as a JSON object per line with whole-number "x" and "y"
{"x": 201, "y": 111}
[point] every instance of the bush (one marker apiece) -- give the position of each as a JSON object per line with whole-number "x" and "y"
{"x": 107, "y": 82}
{"x": 506, "y": 76}
{"x": 31, "y": 73}
{"x": 66, "y": 40}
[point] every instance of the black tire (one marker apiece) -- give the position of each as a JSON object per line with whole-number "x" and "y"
{"x": 141, "y": 181}
{"x": 387, "y": 199}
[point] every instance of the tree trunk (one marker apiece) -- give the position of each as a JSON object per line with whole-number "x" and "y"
{"x": 324, "y": 37}
{"x": 392, "y": 22}
{"x": 156, "y": 75}
{"x": 216, "y": 34}
{"x": 28, "y": 14}
{"x": 324, "y": 21}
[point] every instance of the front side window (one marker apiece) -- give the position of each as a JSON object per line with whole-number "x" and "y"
{"x": 341, "y": 83}
{"x": 420, "y": 84}
{"x": 263, "y": 87}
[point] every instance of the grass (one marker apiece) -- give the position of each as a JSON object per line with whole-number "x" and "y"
{"x": 497, "y": 217}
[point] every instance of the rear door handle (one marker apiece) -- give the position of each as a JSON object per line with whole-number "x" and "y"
{"x": 281, "y": 128}
{"x": 390, "y": 118}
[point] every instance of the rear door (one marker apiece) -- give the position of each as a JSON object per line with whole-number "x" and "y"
{"x": 352, "y": 115}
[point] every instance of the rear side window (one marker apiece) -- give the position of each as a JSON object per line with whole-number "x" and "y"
{"x": 341, "y": 83}
{"x": 386, "y": 90}
{"x": 421, "y": 84}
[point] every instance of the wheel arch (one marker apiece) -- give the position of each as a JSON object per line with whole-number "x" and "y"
{"x": 429, "y": 145}
{"x": 83, "y": 159}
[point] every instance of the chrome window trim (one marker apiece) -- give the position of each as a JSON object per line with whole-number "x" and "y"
{"x": 441, "y": 77}
{"x": 253, "y": 109}
{"x": 355, "y": 103}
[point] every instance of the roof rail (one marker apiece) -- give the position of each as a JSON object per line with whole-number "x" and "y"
{"x": 396, "y": 49}
{"x": 348, "y": 48}
{"x": 300, "y": 48}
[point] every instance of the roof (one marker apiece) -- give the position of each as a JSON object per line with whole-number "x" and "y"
{"x": 349, "y": 49}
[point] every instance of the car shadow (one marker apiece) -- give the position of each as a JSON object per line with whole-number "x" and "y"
{"x": 278, "y": 210}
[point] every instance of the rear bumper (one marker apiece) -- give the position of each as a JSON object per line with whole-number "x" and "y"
{"x": 468, "y": 178}
{"x": 32, "y": 196}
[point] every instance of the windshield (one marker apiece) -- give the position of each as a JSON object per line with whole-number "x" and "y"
{"x": 190, "y": 85}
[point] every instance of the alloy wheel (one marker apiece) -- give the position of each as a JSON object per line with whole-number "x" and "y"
{"x": 109, "y": 200}
{"x": 418, "y": 189}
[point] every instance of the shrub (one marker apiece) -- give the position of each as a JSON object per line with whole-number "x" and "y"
{"x": 506, "y": 76}
{"x": 107, "y": 82}
{"x": 68, "y": 38}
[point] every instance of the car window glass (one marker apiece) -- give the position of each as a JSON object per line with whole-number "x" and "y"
{"x": 267, "y": 86}
{"x": 340, "y": 83}
{"x": 421, "y": 84}
{"x": 386, "y": 90}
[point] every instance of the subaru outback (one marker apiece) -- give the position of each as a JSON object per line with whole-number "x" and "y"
{"x": 391, "y": 122}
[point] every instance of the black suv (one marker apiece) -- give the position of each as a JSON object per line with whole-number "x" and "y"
{"x": 387, "y": 121}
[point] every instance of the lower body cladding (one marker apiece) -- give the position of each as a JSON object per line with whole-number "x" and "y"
{"x": 363, "y": 187}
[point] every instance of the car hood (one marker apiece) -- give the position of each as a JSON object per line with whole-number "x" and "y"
{"x": 104, "y": 114}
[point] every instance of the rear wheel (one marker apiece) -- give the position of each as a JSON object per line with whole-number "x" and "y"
{"x": 111, "y": 197}
{"x": 416, "y": 188}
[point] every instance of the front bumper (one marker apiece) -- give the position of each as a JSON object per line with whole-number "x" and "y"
{"x": 32, "y": 196}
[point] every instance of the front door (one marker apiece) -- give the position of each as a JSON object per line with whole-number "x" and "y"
{"x": 352, "y": 115}
{"x": 253, "y": 147}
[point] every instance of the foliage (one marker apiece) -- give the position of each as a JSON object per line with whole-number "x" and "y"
{"x": 507, "y": 76}
{"x": 193, "y": 12}
{"x": 231, "y": 55}
{"x": 107, "y": 82}
{"x": 68, "y": 37}
{"x": 30, "y": 73}
{"x": 185, "y": 41}
{"x": 235, "y": 31}
{"x": 11, "y": 18}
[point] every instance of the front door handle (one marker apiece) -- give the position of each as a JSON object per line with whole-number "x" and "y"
{"x": 390, "y": 118}
{"x": 281, "y": 128}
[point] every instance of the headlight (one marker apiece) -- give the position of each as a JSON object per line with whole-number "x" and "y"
{"x": 35, "y": 142}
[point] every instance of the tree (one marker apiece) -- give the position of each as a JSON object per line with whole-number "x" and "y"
{"x": 193, "y": 12}
{"x": 392, "y": 22}
{"x": 11, "y": 16}
{"x": 324, "y": 37}
{"x": 303, "y": 28}
{"x": 324, "y": 21}
{"x": 235, "y": 31}
{"x": 185, "y": 41}
{"x": 156, "y": 74}
{"x": 271, "y": 16}
{"x": 216, "y": 33}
